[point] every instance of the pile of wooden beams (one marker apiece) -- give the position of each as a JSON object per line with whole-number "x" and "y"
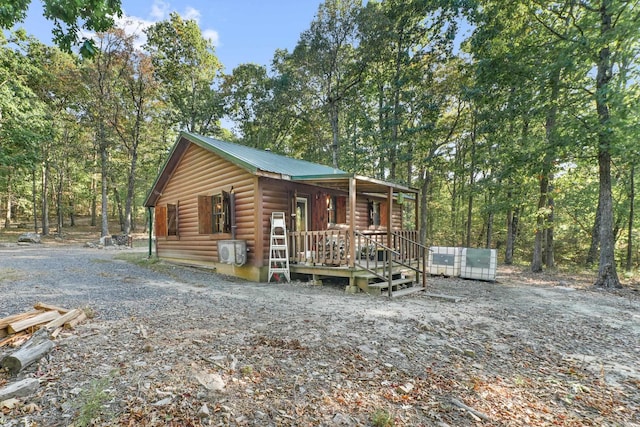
{"x": 18, "y": 328}
{"x": 33, "y": 332}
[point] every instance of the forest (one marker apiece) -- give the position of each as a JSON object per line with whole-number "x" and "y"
{"x": 517, "y": 121}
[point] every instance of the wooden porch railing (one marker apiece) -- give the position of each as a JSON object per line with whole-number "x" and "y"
{"x": 329, "y": 247}
{"x": 332, "y": 247}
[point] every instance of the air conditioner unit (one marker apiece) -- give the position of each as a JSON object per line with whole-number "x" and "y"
{"x": 232, "y": 251}
{"x": 479, "y": 264}
{"x": 444, "y": 261}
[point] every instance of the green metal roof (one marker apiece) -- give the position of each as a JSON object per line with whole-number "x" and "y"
{"x": 255, "y": 160}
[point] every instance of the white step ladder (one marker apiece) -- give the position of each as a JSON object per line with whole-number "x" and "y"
{"x": 278, "y": 250}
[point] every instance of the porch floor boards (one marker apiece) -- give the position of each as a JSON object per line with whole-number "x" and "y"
{"x": 362, "y": 279}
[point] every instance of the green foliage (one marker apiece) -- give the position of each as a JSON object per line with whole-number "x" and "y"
{"x": 382, "y": 418}
{"x": 91, "y": 401}
{"x": 69, "y": 18}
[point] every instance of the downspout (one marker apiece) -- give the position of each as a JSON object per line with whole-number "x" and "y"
{"x": 232, "y": 208}
{"x": 150, "y": 230}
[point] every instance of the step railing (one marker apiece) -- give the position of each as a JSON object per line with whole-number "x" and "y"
{"x": 380, "y": 259}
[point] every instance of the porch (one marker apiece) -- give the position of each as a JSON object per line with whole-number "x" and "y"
{"x": 376, "y": 262}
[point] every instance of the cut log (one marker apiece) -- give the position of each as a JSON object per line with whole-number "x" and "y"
{"x": 49, "y": 307}
{"x": 25, "y": 356}
{"x": 4, "y": 322}
{"x": 20, "y": 388}
{"x": 3, "y": 332}
{"x": 21, "y": 325}
{"x": 74, "y": 322}
{"x": 63, "y": 319}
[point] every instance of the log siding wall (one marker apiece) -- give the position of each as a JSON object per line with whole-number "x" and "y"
{"x": 198, "y": 173}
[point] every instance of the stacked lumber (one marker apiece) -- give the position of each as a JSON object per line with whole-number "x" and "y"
{"x": 18, "y": 328}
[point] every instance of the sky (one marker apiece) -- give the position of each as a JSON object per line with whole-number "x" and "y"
{"x": 242, "y": 31}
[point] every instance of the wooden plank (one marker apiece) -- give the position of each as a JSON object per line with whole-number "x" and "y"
{"x": 74, "y": 322}
{"x": 20, "y": 388}
{"x": 21, "y": 325}
{"x": 4, "y": 322}
{"x": 13, "y": 338}
{"x": 49, "y": 307}
{"x": 63, "y": 319}
{"x": 445, "y": 297}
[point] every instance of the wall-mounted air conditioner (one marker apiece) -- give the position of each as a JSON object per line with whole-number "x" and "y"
{"x": 232, "y": 251}
{"x": 444, "y": 261}
{"x": 479, "y": 264}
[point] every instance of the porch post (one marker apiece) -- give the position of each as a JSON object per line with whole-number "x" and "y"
{"x": 352, "y": 222}
{"x": 389, "y": 256}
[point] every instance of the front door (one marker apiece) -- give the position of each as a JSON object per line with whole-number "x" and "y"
{"x": 302, "y": 215}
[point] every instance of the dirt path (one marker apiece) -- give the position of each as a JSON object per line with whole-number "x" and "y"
{"x": 180, "y": 346}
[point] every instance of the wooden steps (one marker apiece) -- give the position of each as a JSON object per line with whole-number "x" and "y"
{"x": 399, "y": 287}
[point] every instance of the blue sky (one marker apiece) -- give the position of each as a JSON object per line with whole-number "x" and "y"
{"x": 242, "y": 30}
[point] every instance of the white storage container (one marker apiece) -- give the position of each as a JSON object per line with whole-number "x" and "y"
{"x": 479, "y": 264}
{"x": 444, "y": 261}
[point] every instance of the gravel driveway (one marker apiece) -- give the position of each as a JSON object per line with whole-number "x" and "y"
{"x": 177, "y": 346}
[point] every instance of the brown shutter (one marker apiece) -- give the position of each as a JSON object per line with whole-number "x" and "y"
{"x": 341, "y": 210}
{"x": 384, "y": 214}
{"x": 205, "y": 214}
{"x": 161, "y": 221}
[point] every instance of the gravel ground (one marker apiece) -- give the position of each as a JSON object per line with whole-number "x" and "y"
{"x": 176, "y": 346}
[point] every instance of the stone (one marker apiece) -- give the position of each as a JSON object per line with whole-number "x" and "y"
{"x": 213, "y": 382}
{"x": 204, "y": 411}
{"x": 29, "y": 237}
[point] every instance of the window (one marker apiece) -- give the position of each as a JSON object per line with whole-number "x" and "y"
{"x": 172, "y": 220}
{"x": 167, "y": 220}
{"x": 214, "y": 214}
{"x": 336, "y": 209}
{"x": 374, "y": 213}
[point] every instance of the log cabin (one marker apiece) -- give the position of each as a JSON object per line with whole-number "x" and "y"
{"x": 213, "y": 203}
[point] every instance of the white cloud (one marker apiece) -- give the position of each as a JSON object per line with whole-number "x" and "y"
{"x": 191, "y": 13}
{"x": 212, "y": 35}
{"x": 159, "y": 10}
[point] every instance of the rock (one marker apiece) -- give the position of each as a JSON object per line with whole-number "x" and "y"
{"x": 406, "y": 388}
{"x": 213, "y": 382}
{"x": 204, "y": 411}
{"x": 30, "y": 237}
{"x": 341, "y": 420}
{"x": 469, "y": 353}
{"x": 163, "y": 402}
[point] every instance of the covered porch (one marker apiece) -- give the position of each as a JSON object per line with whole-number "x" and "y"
{"x": 379, "y": 256}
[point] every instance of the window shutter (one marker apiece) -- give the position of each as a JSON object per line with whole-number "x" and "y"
{"x": 226, "y": 209}
{"x": 384, "y": 215}
{"x": 161, "y": 221}
{"x": 205, "y": 214}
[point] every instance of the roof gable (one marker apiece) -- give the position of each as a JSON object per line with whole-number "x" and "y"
{"x": 255, "y": 161}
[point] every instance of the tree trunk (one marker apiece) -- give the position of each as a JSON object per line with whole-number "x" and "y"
{"x": 104, "y": 231}
{"x": 536, "y": 262}
{"x": 632, "y": 197}
{"x": 45, "y": 198}
{"x": 34, "y": 198}
{"x": 59, "y": 201}
{"x": 549, "y": 252}
{"x": 7, "y": 218}
{"x": 334, "y": 133}
{"x": 607, "y": 275}
{"x": 424, "y": 194}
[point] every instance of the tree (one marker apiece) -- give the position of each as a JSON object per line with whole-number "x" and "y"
{"x": 95, "y": 15}
{"x": 327, "y": 61}
{"x": 186, "y": 65}
{"x": 605, "y": 36}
